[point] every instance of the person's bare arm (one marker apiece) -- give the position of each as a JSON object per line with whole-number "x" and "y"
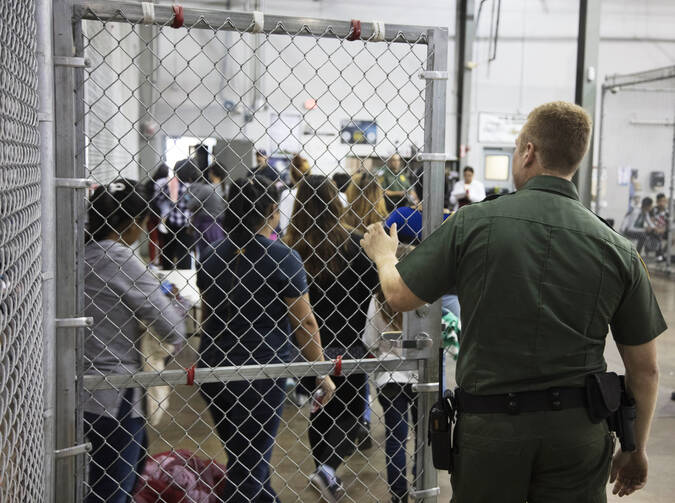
{"x": 629, "y": 469}
{"x": 307, "y": 334}
{"x": 305, "y": 326}
{"x": 382, "y": 251}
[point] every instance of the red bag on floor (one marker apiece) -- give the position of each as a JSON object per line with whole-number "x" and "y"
{"x": 179, "y": 477}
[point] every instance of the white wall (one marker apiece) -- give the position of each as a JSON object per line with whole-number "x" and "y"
{"x": 536, "y": 62}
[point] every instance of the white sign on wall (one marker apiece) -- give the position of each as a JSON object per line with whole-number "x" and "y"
{"x": 499, "y": 128}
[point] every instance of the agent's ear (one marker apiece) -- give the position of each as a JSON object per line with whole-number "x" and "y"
{"x": 528, "y": 154}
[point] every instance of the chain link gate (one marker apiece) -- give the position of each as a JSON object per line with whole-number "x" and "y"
{"x": 211, "y": 360}
{"x": 22, "y": 450}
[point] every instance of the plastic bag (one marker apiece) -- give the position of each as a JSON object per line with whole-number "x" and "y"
{"x": 179, "y": 477}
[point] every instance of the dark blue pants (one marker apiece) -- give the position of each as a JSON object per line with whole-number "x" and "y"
{"x": 247, "y": 416}
{"x": 396, "y": 399}
{"x": 117, "y": 446}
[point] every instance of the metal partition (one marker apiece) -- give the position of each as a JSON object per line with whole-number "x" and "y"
{"x": 145, "y": 82}
{"x": 22, "y": 450}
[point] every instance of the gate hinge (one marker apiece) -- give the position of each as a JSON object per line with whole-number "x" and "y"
{"x": 424, "y": 156}
{"x": 420, "y": 342}
{"x": 72, "y": 451}
{"x": 73, "y": 322}
{"x": 433, "y": 75}
{"x": 425, "y": 387}
{"x": 425, "y": 493}
{"x": 72, "y": 62}
{"x": 73, "y": 183}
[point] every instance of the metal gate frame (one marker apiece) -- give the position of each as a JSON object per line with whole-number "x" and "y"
{"x": 422, "y": 328}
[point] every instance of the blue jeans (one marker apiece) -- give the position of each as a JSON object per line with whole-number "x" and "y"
{"x": 450, "y": 304}
{"x": 247, "y": 416}
{"x": 117, "y": 446}
{"x": 396, "y": 399}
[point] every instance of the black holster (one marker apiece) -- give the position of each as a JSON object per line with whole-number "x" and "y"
{"x": 441, "y": 417}
{"x": 609, "y": 399}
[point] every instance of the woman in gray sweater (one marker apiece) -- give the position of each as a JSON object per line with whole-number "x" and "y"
{"x": 119, "y": 294}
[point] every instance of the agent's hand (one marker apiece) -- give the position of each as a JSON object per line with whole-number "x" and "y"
{"x": 629, "y": 470}
{"x": 377, "y": 245}
{"x": 328, "y": 387}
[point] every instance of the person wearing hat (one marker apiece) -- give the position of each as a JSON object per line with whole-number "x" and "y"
{"x": 540, "y": 279}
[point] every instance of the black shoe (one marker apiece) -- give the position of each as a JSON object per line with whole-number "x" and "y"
{"x": 362, "y": 438}
{"x": 332, "y": 493}
{"x": 399, "y": 499}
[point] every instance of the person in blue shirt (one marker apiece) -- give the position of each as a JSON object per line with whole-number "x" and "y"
{"x": 254, "y": 296}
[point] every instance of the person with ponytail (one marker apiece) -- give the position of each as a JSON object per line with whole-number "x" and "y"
{"x": 254, "y": 296}
{"x": 120, "y": 293}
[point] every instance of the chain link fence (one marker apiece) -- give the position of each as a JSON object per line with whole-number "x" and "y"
{"x": 639, "y": 110}
{"x": 21, "y": 379}
{"x": 235, "y": 162}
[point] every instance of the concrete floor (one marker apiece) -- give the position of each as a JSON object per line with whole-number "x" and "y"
{"x": 188, "y": 425}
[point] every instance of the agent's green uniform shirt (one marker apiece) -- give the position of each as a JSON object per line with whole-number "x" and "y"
{"x": 396, "y": 182}
{"x": 540, "y": 278}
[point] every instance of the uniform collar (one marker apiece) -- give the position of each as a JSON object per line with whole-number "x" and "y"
{"x": 553, "y": 184}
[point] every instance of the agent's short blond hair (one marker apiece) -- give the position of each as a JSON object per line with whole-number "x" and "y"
{"x": 560, "y": 132}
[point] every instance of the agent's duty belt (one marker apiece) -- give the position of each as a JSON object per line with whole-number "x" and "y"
{"x": 516, "y": 403}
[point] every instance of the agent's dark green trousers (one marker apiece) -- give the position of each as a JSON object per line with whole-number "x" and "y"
{"x": 541, "y": 457}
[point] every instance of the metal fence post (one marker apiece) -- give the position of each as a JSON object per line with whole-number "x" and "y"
{"x": 434, "y": 181}
{"x": 43, "y": 15}
{"x": 68, "y": 243}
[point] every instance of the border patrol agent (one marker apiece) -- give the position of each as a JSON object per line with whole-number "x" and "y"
{"x": 396, "y": 183}
{"x": 540, "y": 278}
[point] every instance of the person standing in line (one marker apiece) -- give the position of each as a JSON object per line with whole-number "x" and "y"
{"x": 254, "y": 296}
{"x": 540, "y": 279}
{"x": 342, "y": 280}
{"x": 366, "y": 202}
{"x": 467, "y": 191}
{"x": 154, "y": 221}
{"x": 119, "y": 293}
{"x": 172, "y": 198}
{"x": 206, "y": 206}
{"x": 395, "y": 394}
{"x": 299, "y": 167}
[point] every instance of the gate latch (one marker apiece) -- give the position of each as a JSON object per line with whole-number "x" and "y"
{"x": 71, "y": 62}
{"x": 73, "y": 183}
{"x": 74, "y": 322}
{"x": 72, "y": 451}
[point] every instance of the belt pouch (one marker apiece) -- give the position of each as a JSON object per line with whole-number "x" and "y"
{"x": 603, "y": 394}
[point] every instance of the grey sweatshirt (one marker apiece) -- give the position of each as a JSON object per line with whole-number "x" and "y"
{"x": 120, "y": 293}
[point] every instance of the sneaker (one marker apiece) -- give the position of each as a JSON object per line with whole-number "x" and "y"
{"x": 362, "y": 437}
{"x": 332, "y": 493}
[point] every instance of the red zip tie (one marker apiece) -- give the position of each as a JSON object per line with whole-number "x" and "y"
{"x": 190, "y": 376}
{"x": 178, "y": 17}
{"x": 355, "y": 34}
{"x": 338, "y": 366}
